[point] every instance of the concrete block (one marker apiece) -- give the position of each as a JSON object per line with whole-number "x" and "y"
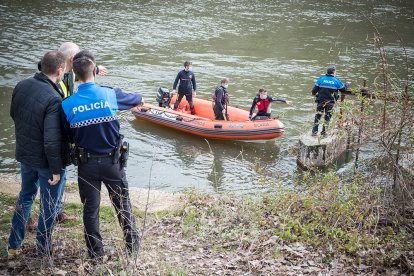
{"x": 320, "y": 152}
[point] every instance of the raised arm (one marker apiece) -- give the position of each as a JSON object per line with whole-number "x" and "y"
{"x": 341, "y": 86}
{"x": 277, "y": 100}
{"x": 101, "y": 70}
{"x": 127, "y": 100}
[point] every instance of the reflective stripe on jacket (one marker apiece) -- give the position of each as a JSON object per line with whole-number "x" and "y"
{"x": 326, "y": 88}
{"x": 67, "y": 84}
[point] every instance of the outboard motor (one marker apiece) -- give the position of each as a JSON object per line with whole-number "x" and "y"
{"x": 163, "y": 97}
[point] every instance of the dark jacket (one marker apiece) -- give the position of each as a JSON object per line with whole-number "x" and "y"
{"x": 35, "y": 109}
{"x": 220, "y": 98}
{"x": 187, "y": 82}
{"x": 326, "y": 89}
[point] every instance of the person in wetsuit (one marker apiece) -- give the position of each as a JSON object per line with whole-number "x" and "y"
{"x": 263, "y": 101}
{"x": 221, "y": 100}
{"x": 187, "y": 86}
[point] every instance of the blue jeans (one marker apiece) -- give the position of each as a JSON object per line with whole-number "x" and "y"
{"x": 32, "y": 180}
{"x": 62, "y": 185}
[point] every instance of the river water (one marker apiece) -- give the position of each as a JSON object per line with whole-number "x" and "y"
{"x": 281, "y": 45}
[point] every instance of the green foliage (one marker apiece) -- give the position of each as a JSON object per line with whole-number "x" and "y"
{"x": 322, "y": 211}
{"x": 175, "y": 271}
{"x": 73, "y": 209}
{"x": 328, "y": 213}
{"x": 71, "y": 187}
{"x": 7, "y": 202}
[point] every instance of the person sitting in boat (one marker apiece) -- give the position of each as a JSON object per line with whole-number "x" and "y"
{"x": 262, "y": 101}
{"x": 221, "y": 100}
{"x": 187, "y": 85}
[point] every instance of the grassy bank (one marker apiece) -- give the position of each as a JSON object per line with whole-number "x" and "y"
{"x": 321, "y": 225}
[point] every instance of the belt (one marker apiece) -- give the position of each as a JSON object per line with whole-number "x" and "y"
{"x": 100, "y": 155}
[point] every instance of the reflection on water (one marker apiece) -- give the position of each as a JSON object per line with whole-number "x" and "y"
{"x": 281, "y": 45}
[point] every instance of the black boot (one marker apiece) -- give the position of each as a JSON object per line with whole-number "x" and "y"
{"x": 323, "y": 133}
{"x": 315, "y": 130}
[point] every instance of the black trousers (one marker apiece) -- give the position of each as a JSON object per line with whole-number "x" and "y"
{"x": 188, "y": 96}
{"x": 261, "y": 113}
{"x": 90, "y": 177}
{"x": 321, "y": 108}
{"x": 218, "y": 113}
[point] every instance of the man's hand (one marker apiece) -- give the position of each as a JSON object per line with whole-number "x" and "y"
{"x": 288, "y": 102}
{"x": 142, "y": 102}
{"x": 102, "y": 70}
{"x": 55, "y": 180}
{"x": 174, "y": 91}
{"x": 194, "y": 93}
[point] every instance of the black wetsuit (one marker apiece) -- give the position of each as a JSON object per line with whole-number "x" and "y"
{"x": 220, "y": 102}
{"x": 187, "y": 85}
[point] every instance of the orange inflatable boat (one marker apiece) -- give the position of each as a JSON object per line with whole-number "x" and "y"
{"x": 203, "y": 123}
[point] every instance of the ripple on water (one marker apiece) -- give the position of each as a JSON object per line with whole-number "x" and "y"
{"x": 281, "y": 45}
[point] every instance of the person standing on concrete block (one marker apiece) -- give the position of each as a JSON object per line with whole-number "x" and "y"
{"x": 326, "y": 92}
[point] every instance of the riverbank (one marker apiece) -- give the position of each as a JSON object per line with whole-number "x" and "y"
{"x": 155, "y": 201}
{"x": 307, "y": 230}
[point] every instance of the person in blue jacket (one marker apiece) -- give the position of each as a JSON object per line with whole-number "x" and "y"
{"x": 326, "y": 93}
{"x": 90, "y": 121}
{"x": 187, "y": 85}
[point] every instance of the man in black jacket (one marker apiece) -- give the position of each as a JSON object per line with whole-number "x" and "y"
{"x": 35, "y": 109}
{"x": 66, "y": 86}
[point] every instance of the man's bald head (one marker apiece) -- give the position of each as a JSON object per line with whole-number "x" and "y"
{"x": 69, "y": 49}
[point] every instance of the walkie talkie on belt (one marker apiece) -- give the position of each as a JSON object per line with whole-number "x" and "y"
{"x": 82, "y": 155}
{"x": 124, "y": 150}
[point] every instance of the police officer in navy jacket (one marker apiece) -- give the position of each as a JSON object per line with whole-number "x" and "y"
{"x": 92, "y": 124}
{"x": 187, "y": 85}
{"x": 326, "y": 93}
